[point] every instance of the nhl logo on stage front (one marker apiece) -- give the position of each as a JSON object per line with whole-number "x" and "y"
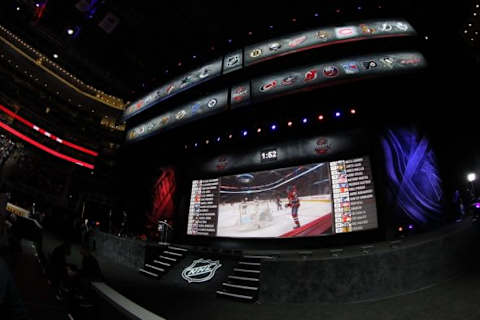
{"x": 200, "y": 270}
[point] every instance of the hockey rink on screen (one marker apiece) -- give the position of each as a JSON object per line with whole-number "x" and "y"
{"x": 256, "y": 222}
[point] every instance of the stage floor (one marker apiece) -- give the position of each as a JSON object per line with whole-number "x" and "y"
{"x": 173, "y": 298}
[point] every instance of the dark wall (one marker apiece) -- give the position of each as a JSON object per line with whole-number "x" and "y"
{"x": 384, "y": 272}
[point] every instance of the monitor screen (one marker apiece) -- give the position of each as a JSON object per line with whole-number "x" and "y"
{"x": 307, "y": 200}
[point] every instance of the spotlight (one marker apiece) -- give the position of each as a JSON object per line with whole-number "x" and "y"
{"x": 270, "y": 27}
{"x": 207, "y": 141}
{"x": 179, "y": 63}
{"x": 229, "y": 40}
{"x": 196, "y": 144}
{"x": 244, "y": 133}
{"x": 258, "y": 131}
{"x": 304, "y": 120}
{"x": 186, "y": 147}
{"x": 289, "y": 123}
{"x": 337, "y": 114}
{"x": 320, "y": 117}
{"x": 218, "y": 139}
{"x": 55, "y": 56}
{"x": 273, "y": 127}
{"x": 410, "y": 227}
{"x": 18, "y": 8}
{"x": 230, "y": 136}
{"x": 315, "y": 14}
{"x": 250, "y": 33}
{"x": 400, "y": 229}
{"x": 194, "y": 57}
{"x": 353, "y": 111}
{"x": 70, "y": 31}
{"x": 471, "y": 177}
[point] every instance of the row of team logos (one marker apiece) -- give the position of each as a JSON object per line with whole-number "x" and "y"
{"x": 192, "y": 111}
{"x": 288, "y": 81}
{"x": 256, "y": 53}
{"x": 297, "y": 79}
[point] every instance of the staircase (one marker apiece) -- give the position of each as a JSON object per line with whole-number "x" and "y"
{"x": 162, "y": 261}
{"x": 244, "y": 283}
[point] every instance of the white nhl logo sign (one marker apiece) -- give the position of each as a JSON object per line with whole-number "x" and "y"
{"x": 200, "y": 270}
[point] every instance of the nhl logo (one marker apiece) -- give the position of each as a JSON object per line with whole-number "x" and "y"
{"x": 200, "y": 270}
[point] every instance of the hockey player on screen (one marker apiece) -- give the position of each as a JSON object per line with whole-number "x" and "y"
{"x": 279, "y": 202}
{"x": 294, "y": 203}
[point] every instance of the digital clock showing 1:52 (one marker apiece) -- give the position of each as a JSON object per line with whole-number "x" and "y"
{"x": 268, "y": 155}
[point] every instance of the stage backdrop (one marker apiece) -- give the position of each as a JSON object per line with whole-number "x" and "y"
{"x": 163, "y": 204}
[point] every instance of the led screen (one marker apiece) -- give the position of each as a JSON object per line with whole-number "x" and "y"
{"x": 308, "y": 200}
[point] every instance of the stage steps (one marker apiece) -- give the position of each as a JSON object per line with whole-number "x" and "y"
{"x": 244, "y": 282}
{"x": 161, "y": 260}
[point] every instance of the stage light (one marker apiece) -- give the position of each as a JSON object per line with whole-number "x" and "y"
{"x": 338, "y": 11}
{"x": 250, "y": 33}
{"x": 289, "y": 123}
{"x": 315, "y": 14}
{"x": 244, "y": 133}
{"x": 207, "y": 141}
{"x": 320, "y": 117}
{"x": 359, "y": 8}
{"x": 304, "y": 120}
{"x": 230, "y": 136}
{"x": 471, "y": 177}
{"x": 166, "y": 70}
{"x": 229, "y": 40}
{"x": 270, "y": 27}
{"x": 258, "y": 130}
{"x": 55, "y": 56}
{"x": 353, "y": 111}
{"x": 337, "y": 114}
{"x": 18, "y": 8}
{"x": 218, "y": 139}
{"x": 410, "y": 227}
{"x": 186, "y": 147}
{"x": 179, "y": 63}
{"x": 400, "y": 229}
{"x": 195, "y": 145}
{"x": 70, "y": 31}
{"x": 37, "y": 5}
{"x": 294, "y": 20}
{"x": 477, "y": 205}
{"x": 273, "y": 127}
{"x": 194, "y": 57}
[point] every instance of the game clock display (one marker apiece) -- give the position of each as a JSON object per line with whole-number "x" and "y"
{"x": 308, "y": 200}
{"x": 268, "y": 155}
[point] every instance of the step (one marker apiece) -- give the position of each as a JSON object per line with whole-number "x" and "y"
{"x": 173, "y": 253}
{"x": 258, "y": 257}
{"x": 226, "y": 284}
{"x": 177, "y": 248}
{"x": 162, "y": 263}
{"x": 168, "y": 258}
{"x": 250, "y": 263}
{"x": 243, "y": 278}
{"x": 154, "y": 267}
{"x": 246, "y": 270}
{"x": 223, "y": 293}
{"x": 148, "y": 272}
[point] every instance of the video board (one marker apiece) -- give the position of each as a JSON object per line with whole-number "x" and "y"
{"x": 302, "y": 201}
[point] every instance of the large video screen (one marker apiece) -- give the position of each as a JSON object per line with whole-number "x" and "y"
{"x": 308, "y": 200}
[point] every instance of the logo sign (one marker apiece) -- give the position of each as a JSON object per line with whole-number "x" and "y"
{"x": 295, "y": 42}
{"x": 310, "y": 75}
{"x": 401, "y": 26}
{"x": 350, "y": 67}
{"x": 366, "y": 29}
{"x": 200, "y": 270}
{"x": 239, "y": 93}
{"x": 386, "y": 27}
{"x": 170, "y": 88}
{"x": 288, "y": 80}
{"x": 180, "y": 114}
{"x": 322, "y": 35}
{"x": 388, "y": 62}
{"x": 274, "y": 46}
{"x": 330, "y": 71}
{"x": 222, "y": 163}
{"x": 255, "y": 53}
{"x": 345, "y": 32}
{"x": 371, "y": 64}
{"x": 205, "y": 73}
{"x": 212, "y": 103}
{"x": 232, "y": 61}
{"x": 268, "y": 86}
{"x": 196, "y": 108}
{"x": 322, "y": 146}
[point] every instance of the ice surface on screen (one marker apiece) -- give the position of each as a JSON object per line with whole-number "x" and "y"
{"x": 307, "y": 200}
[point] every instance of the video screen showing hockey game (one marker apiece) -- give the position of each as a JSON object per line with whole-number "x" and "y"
{"x": 308, "y": 200}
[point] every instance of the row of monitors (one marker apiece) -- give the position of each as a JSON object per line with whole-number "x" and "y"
{"x": 286, "y": 82}
{"x": 302, "y": 201}
{"x": 268, "y": 50}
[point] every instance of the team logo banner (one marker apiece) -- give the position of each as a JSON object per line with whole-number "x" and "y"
{"x": 201, "y": 270}
{"x": 310, "y": 77}
{"x": 173, "y": 87}
{"x": 194, "y": 110}
{"x": 325, "y": 36}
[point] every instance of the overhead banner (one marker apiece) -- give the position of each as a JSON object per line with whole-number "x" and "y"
{"x": 195, "y": 110}
{"x": 305, "y": 78}
{"x": 325, "y": 36}
{"x": 177, "y": 85}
